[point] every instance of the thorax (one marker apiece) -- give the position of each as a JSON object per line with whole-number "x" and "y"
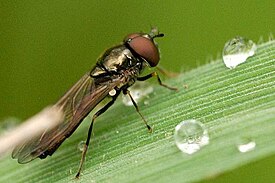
{"x": 118, "y": 64}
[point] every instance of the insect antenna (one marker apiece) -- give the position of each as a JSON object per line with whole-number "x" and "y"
{"x": 158, "y": 35}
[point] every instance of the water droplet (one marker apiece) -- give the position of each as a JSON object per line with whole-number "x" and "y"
{"x": 146, "y": 102}
{"x": 112, "y": 92}
{"x": 80, "y": 145}
{"x": 237, "y": 50}
{"x": 117, "y": 131}
{"x": 139, "y": 91}
{"x": 246, "y": 145}
{"x": 190, "y": 136}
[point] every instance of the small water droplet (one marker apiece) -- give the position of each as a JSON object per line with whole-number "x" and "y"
{"x": 190, "y": 136}
{"x": 246, "y": 145}
{"x": 146, "y": 102}
{"x": 80, "y": 145}
{"x": 139, "y": 91}
{"x": 117, "y": 131}
{"x": 112, "y": 92}
{"x": 237, "y": 50}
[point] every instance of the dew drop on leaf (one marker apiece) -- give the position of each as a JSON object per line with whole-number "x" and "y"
{"x": 237, "y": 50}
{"x": 190, "y": 136}
{"x": 245, "y": 145}
{"x": 80, "y": 145}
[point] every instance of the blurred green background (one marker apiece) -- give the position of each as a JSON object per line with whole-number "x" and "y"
{"x": 46, "y": 46}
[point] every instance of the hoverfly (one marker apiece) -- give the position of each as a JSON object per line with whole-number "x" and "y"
{"x": 115, "y": 71}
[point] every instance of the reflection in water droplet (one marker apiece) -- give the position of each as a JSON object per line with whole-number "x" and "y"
{"x": 190, "y": 136}
{"x": 139, "y": 91}
{"x": 80, "y": 145}
{"x": 246, "y": 145}
{"x": 237, "y": 50}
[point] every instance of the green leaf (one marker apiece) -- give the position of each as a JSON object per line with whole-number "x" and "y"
{"x": 233, "y": 104}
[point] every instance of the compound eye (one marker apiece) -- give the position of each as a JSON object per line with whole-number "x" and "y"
{"x": 144, "y": 45}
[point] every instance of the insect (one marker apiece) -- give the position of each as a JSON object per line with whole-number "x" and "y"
{"x": 115, "y": 71}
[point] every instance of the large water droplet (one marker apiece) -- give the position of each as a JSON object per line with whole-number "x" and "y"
{"x": 190, "y": 136}
{"x": 139, "y": 91}
{"x": 237, "y": 50}
{"x": 246, "y": 145}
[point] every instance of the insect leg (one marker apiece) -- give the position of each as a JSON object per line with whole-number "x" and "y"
{"x": 166, "y": 72}
{"x": 98, "y": 113}
{"x": 127, "y": 92}
{"x": 159, "y": 81}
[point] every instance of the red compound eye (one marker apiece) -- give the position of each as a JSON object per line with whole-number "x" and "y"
{"x": 144, "y": 45}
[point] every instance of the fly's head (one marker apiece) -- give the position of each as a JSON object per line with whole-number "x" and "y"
{"x": 137, "y": 50}
{"x": 144, "y": 45}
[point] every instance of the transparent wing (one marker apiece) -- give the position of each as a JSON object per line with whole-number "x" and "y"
{"x": 76, "y": 104}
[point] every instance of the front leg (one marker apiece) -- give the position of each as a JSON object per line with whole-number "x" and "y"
{"x": 127, "y": 92}
{"x": 159, "y": 81}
